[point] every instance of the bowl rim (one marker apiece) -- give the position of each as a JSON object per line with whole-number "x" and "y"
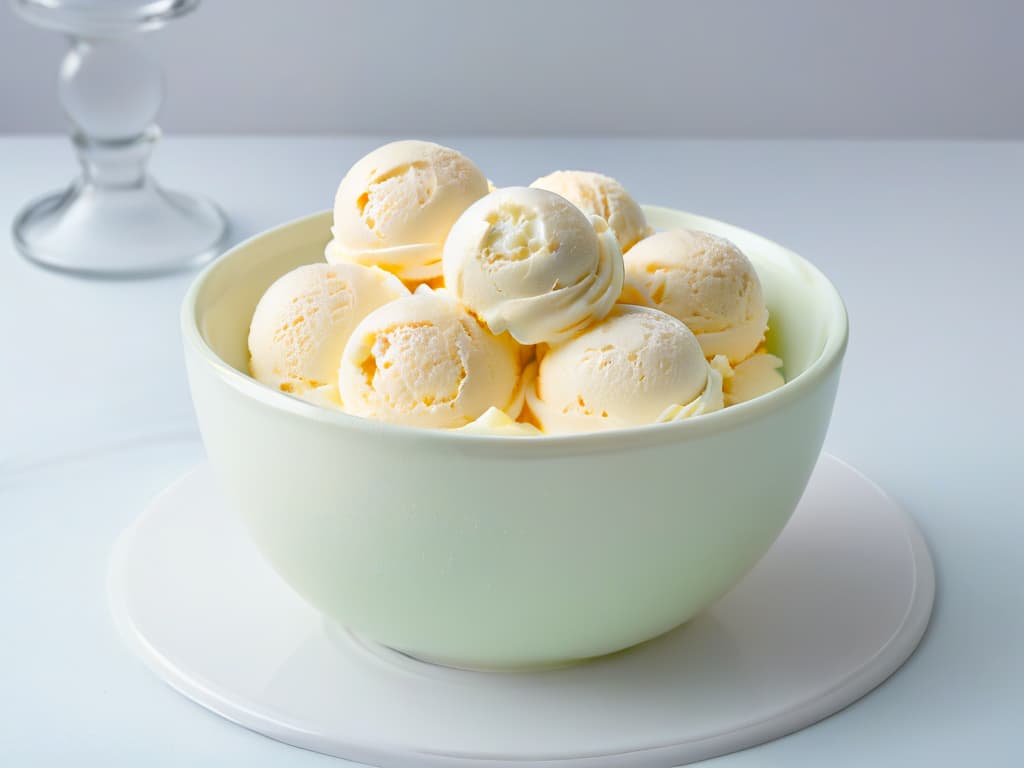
{"x": 647, "y": 435}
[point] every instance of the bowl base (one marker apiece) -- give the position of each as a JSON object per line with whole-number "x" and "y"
{"x": 836, "y": 606}
{"x": 347, "y": 640}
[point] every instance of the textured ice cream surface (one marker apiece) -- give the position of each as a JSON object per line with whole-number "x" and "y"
{"x": 529, "y": 262}
{"x": 425, "y": 361}
{"x": 706, "y": 282}
{"x": 395, "y": 206}
{"x": 303, "y": 320}
{"x": 637, "y": 366}
{"x": 599, "y": 195}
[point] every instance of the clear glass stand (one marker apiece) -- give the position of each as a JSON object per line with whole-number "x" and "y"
{"x": 114, "y": 220}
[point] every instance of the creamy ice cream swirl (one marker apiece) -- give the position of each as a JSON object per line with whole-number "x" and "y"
{"x": 529, "y": 262}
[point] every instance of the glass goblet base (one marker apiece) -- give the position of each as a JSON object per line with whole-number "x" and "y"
{"x": 121, "y": 232}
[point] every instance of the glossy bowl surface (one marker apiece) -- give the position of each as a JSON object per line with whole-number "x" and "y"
{"x": 498, "y": 552}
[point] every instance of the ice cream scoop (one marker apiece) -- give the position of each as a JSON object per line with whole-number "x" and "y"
{"x": 529, "y": 262}
{"x": 302, "y": 321}
{"x": 637, "y": 366}
{"x": 395, "y": 206}
{"x": 425, "y": 361}
{"x": 706, "y": 282}
{"x": 599, "y": 195}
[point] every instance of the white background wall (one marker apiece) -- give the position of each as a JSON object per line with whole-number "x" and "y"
{"x": 775, "y": 68}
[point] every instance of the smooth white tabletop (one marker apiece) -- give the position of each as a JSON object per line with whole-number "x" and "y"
{"x": 919, "y": 237}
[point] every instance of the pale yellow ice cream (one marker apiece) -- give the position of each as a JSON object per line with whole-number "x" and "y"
{"x": 637, "y": 366}
{"x": 395, "y": 206}
{"x": 710, "y": 400}
{"x": 425, "y": 361}
{"x": 497, "y": 422}
{"x": 529, "y": 262}
{"x": 706, "y": 282}
{"x": 600, "y": 195}
{"x": 755, "y": 376}
{"x": 302, "y": 322}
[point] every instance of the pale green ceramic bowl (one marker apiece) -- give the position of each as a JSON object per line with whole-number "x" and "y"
{"x": 498, "y": 552}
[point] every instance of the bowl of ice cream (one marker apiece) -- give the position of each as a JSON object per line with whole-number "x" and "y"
{"x": 485, "y": 549}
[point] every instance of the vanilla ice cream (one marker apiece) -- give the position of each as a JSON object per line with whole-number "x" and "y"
{"x": 755, "y": 376}
{"x": 497, "y": 422}
{"x": 711, "y": 399}
{"x": 395, "y": 206}
{"x": 637, "y": 366}
{"x": 529, "y": 262}
{"x": 706, "y": 282}
{"x": 425, "y": 361}
{"x": 600, "y": 195}
{"x": 303, "y": 320}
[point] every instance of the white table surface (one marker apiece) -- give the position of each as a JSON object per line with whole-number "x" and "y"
{"x": 921, "y": 239}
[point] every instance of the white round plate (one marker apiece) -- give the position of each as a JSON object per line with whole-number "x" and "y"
{"x": 835, "y": 607}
